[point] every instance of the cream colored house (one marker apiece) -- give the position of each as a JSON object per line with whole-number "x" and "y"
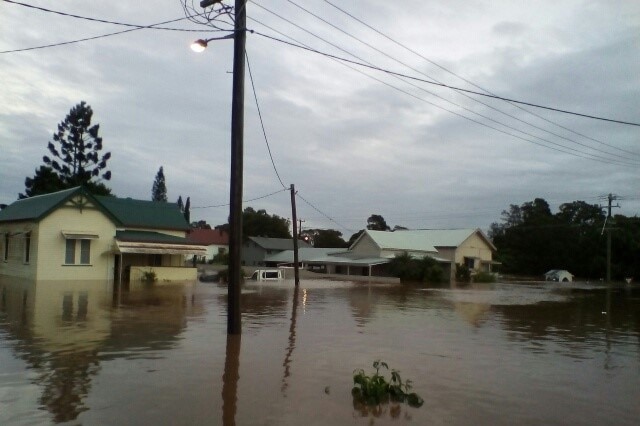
{"x": 370, "y": 253}
{"x": 470, "y": 247}
{"x": 73, "y": 235}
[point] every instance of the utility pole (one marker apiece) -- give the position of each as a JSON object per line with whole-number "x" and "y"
{"x": 296, "y": 269}
{"x": 610, "y": 199}
{"x": 234, "y": 325}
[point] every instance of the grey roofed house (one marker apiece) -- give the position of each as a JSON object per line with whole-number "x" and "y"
{"x": 256, "y": 249}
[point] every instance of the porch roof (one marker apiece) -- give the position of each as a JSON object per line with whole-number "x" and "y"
{"x": 147, "y": 242}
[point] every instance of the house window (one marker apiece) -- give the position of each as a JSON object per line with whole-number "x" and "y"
{"x": 85, "y": 252}
{"x": 27, "y": 247}
{"x": 70, "y": 252}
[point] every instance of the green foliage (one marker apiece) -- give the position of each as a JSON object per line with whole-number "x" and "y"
{"x": 377, "y": 223}
{"x": 75, "y": 158}
{"x": 45, "y": 181}
{"x": 221, "y": 258}
{"x": 462, "y": 273}
{"x": 159, "y": 190}
{"x": 409, "y": 269}
{"x": 79, "y": 147}
{"x": 201, "y": 224}
{"x": 375, "y": 390}
{"x": 484, "y": 277}
{"x": 260, "y": 224}
{"x": 531, "y": 240}
{"x": 327, "y": 238}
{"x": 149, "y": 277}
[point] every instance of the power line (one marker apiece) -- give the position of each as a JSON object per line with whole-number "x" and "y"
{"x": 620, "y": 157}
{"x": 266, "y": 140}
{"x": 104, "y": 21}
{"x": 386, "y": 71}
{"x": 64, "y": 43}
{"x": 461, "y": 93}
{"x": 471, "y": 83}
{"x": 244, "y": 201}
{"x": 577, "y": 152}
{"x": 323, "y": 213}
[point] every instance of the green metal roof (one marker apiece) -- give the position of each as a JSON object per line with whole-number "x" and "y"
{"x": 122, "y": 211}
{"x": 145, "y": 214}
{"x": 35, "y": 208}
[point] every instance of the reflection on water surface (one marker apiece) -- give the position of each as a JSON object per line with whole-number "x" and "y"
{"x": 538, "y": 353}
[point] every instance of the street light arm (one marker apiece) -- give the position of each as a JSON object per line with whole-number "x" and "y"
{"x": 201, "y": 44}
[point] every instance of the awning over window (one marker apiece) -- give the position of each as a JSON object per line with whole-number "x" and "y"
{"x": 158, "y": 248}
{"x": 79, "y": 235}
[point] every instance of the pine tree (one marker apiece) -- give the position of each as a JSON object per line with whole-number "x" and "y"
{"x": 159, "y": 190}
{"x": 78, "y": 152}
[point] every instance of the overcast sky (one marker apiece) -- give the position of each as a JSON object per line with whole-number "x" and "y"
{"x": 353, "y": 140}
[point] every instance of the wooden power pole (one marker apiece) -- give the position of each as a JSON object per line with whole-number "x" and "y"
{"x": 235, "y": 193}
{"x": 296, "y": 269}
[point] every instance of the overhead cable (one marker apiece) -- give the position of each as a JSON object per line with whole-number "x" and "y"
{"x": 244, "y": 201}
{"x": 266, "y": 140}
{"x": 389, "y": 72}
{"x": 371, "y": 46}
{"x": 470, "y": 82}
{"x": 566, "y": 150}
{"x": 619, "y": 158}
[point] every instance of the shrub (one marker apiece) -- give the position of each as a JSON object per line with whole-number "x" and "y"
{"x": 484, "y": 277}
{"x": 409, "y": 269}
{"x": 149, "y": 277}
{"x": 462, "y": 273}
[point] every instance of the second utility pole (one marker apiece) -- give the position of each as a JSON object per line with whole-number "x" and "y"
{"x": 296, "y": 269}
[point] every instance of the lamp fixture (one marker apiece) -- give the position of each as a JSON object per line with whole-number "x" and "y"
{"x": 199, "y": 45}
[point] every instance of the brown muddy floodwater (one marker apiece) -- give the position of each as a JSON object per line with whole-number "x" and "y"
{"x": 499, "y": 354}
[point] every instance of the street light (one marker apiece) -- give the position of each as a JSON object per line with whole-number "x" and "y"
{"x": 237, "y": 146}
{"x": 200, "y": 44}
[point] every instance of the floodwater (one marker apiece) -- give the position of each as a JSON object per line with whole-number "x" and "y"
{"x": 497, "y": 354}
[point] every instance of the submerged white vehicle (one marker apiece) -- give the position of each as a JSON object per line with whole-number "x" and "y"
{"x": 267, "y": 275}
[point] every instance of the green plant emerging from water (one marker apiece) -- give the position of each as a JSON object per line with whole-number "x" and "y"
{"x": 374, "y": 389}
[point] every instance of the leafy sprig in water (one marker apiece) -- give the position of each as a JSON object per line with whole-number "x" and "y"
{"x": 374, "y": 389}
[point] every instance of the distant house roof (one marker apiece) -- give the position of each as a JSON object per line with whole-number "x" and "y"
{"x": 122, "y": 211}
{"x": 277, "y": 243}
{"x": 208, "y": 237}
{"x": 423, "y": 239}
{"x": 305, "y": 254}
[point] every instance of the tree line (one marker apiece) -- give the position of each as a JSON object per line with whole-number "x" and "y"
{"x": 532, "y": 240}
